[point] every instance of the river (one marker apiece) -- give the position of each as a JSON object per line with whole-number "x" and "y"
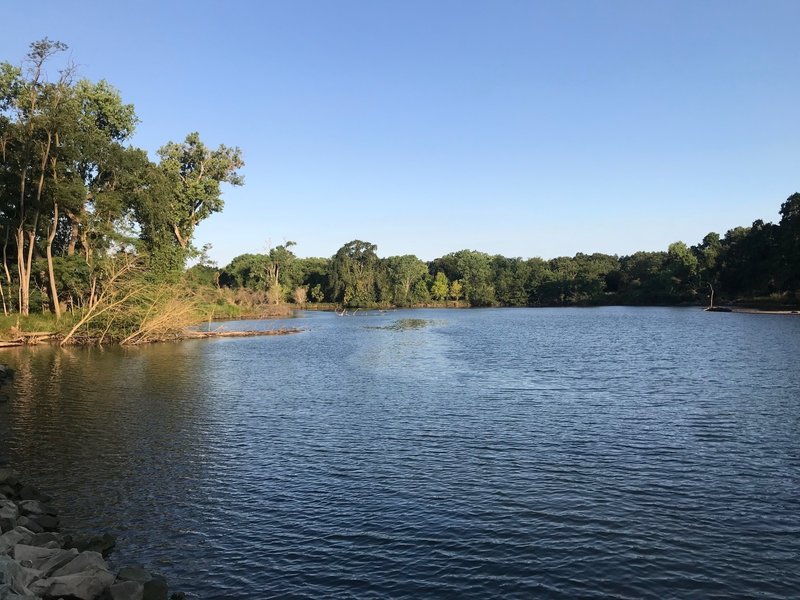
{"x": 514, "y": 453}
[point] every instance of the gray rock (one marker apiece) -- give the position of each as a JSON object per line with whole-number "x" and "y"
{"x": 101, "y": 543}
{"x": 156, "y": 589}
{"x": 8, "y": 509}
{"x": 36, "y": 507}
{"x": 57, "y": 560}
{"x": 44, "y": 560}
{"x": 85, "y": 585}
{"x": 51, "y": 545}
{"x": 29, "y": 524}
{"x": 35, "y": 554}
{"x": 16, "y": 577}
{"x": 127, "y": 590}
{"x": 45, "y": 522}
{"x": 7, "y": 594}
{"x": 134, "y": 574}
{"x": 18, "y": 535}
{"x": 9, "y": 513}
{"x": 83, "y": 562}
{"x": 42, "y": 539}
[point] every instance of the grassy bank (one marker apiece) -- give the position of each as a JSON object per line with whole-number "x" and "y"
{"x": 135, "y": 314}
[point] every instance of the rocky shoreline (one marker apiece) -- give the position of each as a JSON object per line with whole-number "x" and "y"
{"x": 38, "y": 561}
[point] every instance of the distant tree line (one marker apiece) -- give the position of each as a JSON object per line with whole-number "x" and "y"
{"x": 757, "y": 262}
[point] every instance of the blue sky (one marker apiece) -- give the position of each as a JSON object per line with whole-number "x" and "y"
{"x": 514, "y": 127}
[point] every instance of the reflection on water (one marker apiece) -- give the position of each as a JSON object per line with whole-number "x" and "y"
{"x": 489, "y": 453}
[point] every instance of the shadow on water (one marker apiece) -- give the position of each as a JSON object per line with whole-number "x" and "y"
{"x": 118, "y": 436}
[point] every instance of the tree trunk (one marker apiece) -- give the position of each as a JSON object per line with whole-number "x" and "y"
{"x": 5, "y": 257}
{"x": 179, "y": 237}
{"x": 50, "y": 271}
{"x": 74, "y": 233}
{"x": 24, "y": 294}
{"x": 87, "y": 250}
{"x": 24, "y": 263}
{"x": 8, "y": 275}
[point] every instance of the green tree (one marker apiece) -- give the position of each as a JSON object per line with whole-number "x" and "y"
{"x": 539, "y": 275}
{"x": 790, "y": 242}
{"x": 441, "y": 287}
{"x": 247, "y": 271}
{"x": 510, "y": 276}
{"x": 404, "y": 272}
{"x": 32, "y": 118}
{"x": 473, "y": 269}
{"x": 59, "y": 137}
{"x": 354, "y": 271}
{"x": 420, "y": 294}
{"x": 279, "y": 265}
{"x": 317, "y": 295}
{"x": 456, "y": 290}
{"x": 311, "y": 271}
{"x": 644, "y": 278}
{"x": 192, "y": 175}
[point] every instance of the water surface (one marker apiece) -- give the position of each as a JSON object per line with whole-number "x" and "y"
{"x": 613, "y": 452}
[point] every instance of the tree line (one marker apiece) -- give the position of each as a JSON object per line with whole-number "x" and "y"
{"x": 760, "y": 262}
{"x": 76, "y": 199}
{"x": 91, "y": 226}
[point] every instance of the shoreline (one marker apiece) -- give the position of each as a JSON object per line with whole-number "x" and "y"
{"x": 38, "y": 560}
{"x": 34, "y": 338}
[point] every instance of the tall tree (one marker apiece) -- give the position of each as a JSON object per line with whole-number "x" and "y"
{"x": 404, "y": 272}
{"x": 191, "y": 175}
{"x": 31, "y": 105}
{"x": 441, "y": 287}
{"x": 354, "y": 270}
{"x": 790, "y": 241}
{"x": 278, "y": 275}
{"x": 473, "y": 269}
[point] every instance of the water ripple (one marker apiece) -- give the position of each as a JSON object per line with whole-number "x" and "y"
{"x": 593, "y": 453}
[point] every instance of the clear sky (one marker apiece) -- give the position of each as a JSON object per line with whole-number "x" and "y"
{"x": 522, "y": 128}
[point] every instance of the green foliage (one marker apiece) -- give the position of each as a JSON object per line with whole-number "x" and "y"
{"x": 73, "y": 191}
{"x": 202, "y": 275}
{"x": 456, "y": 290}
{"x": 194, "y": 173}
{"x": 353, "y": 274}
{"x": 246, "y": 271}
{"x": 76, "y": 199}
{"x": 473, "y": 270}
{"x": 317, "y": 295}
{"x": 789, "y": 242}
{"x": 403, "y": 274}
{"x": 440, "y": 289}
{"x": 420, "y": 294}
{"x": 281, "y": 272}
